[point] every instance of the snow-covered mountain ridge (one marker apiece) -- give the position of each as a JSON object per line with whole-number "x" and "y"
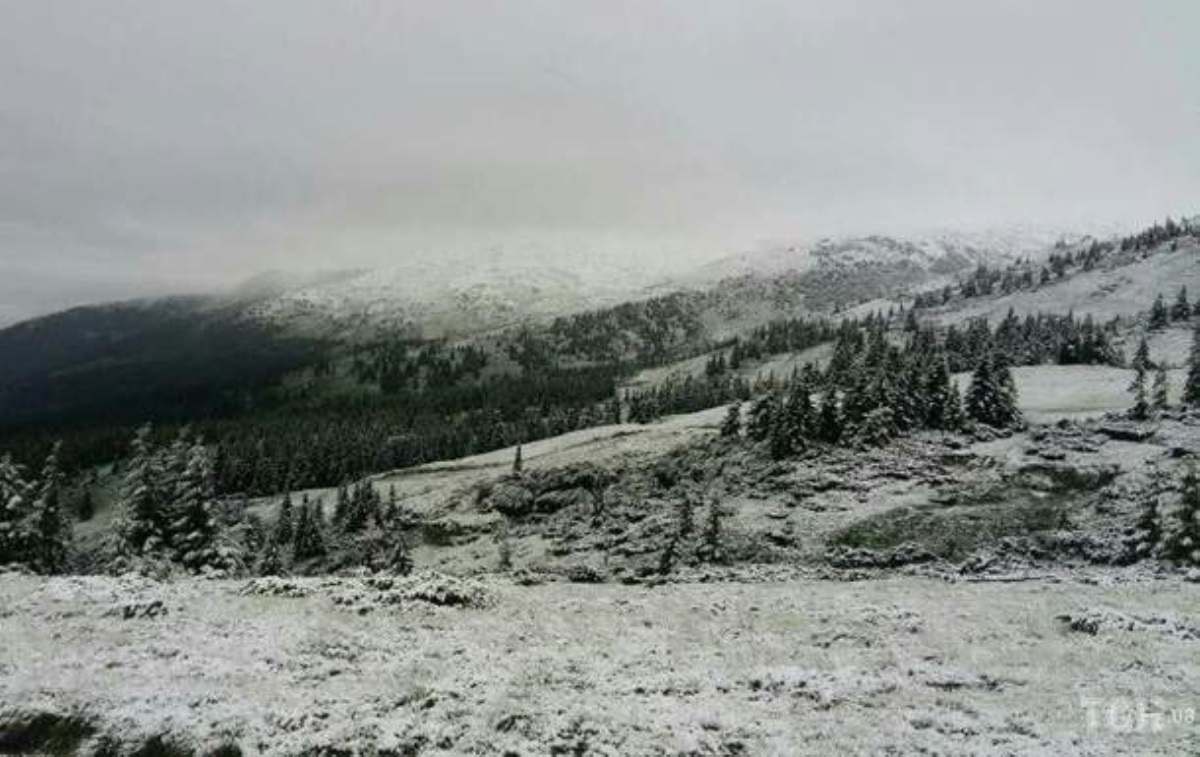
{"x": 937, "y": 252}
{"x": 439, "y": 296}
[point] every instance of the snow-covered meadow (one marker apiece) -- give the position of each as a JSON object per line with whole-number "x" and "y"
{"x": 1085, "y": 663}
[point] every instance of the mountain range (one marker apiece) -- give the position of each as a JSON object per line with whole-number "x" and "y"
{"x": 178, "y": 356}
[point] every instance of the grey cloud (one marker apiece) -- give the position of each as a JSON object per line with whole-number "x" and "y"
{"x": 170, "y": 144}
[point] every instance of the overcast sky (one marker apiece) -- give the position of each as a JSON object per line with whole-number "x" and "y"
{"x": 160, "y": 144}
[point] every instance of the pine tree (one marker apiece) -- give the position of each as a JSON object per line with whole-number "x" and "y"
{"x": 1182, "y": 309}
{"x": 195, "y": 530}
{"x": 16, "y": 495}
{"x": 731, "y": 426}
{"x": 310, "y": 541}
{"x": 829, "y": 421}
{"x": 1146, "y": 535}
{"x": 943, "y": 410}
{"x": 400, "y": 561}
{"x": 798, "y": 416}
{"x": 762, "y": 417}
{"x": 992, "y": 396}
{"x": 1141, "y": 364}
{"x": 1159, "y": 317}
{"x": 1183, "y": 544}
{"x": 1191, "y": 386}
{"x": 1159, "y": 394}
{"x": 285, "y": 528}
{"x": 955, "y": 416}
{"x": 51, "y": 529}
{"x": 1141, "y": 357}
{"x": 877, "y": 428}
{"x": 780, "y": 439}
{"x": 144, "y": 525}
{"x": 271, "y": 562}
{"x": 713, "y": 547}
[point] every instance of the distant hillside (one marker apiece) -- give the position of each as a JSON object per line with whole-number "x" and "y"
{"x": 169, "y": 359}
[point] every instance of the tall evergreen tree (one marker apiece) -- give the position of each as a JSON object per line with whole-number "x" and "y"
{"x": 15, "y": 502}
{"x": 992, "y": 397}
{"x": 310, "y": 540}
{"x": 1146, "y": 536}
{"x": 731, "y": 426}
{"x": 1181, "y": 310}
{"x": 762, "y": 417}
{"x": 798, "y": 415}
{"x": 943, "y": 409}
{"x": 1191, "y": 386}
{"x": 1137, "y": 388}
{"x": 1159, "y": 316}
{"x": 877, "y": 428}
{"x": 51, "y": 528}
{"x": 1183, "y": 543}
{"x": 195, "y": 529}
{"x": 1159, "y": 394}
{"x": 144, "y": 525}
{"x": 829, "y": 422}
{"x": 780, "y": 438}
{"x": 285, "y": 521}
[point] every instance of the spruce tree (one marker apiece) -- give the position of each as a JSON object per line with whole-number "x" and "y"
{"x": 310, "y": 541}
{"x": 992, "y": 396}
{"x": 195, "y": 529}
{"x": 780, "y": 438}
{"x": 1141, "y": 364}
{"x": 144, "y": 525}
{"x": 877, "y": 427}
{"x": 798, "y": 416}
{"x": 829, "y": 422}
{"x": 713, "y": 547}
{"x": 1183, "y": 543}
{"x": 943, "y": 407}
{"x": 1191, "y": 386}
{"x": 16, "y": 495}
{"x": 955, "y": 416}
{"x": 285, "y": 521}
{"x": 762, "y": 417}
{"x": 1182, "y": 309}
{"x": 1146, "y": 536}
{"x": 1159, "y": 393}
{"x": 731, "y": 426}
{"x": 271, "y": 563}
{"x": 1159, "y": 316}
{"x": 51, "y": 528}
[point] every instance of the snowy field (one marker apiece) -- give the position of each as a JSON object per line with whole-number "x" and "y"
{"x": 1047, "y": 393}
{"x": 1073, "y": 664}
{"x": 1103, "y": 293}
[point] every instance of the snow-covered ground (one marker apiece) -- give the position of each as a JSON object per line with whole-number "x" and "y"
{"x": 1047, "y": 393}
{"x": 1103, "y": 293}
{"x": 1100, "y": 663}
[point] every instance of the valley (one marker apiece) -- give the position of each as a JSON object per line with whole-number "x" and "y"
{"x": 719, "y": 521}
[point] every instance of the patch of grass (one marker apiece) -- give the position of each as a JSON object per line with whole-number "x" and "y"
{"x": 952, "y": 533}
